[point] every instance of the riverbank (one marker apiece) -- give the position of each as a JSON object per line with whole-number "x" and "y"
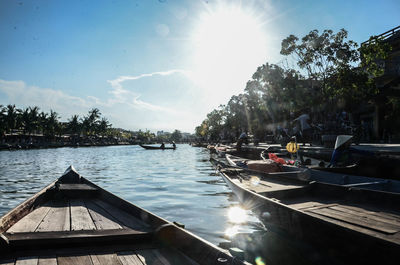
{"x": 16, "y": 141}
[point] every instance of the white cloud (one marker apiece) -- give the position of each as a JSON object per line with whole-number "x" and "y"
{"x": 20, "y": 93}
{"x": 124, "y": 107}
{"x": 122, "y": 95}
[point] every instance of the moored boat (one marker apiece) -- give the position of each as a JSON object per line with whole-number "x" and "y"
{"x": 261, "y": 166}
{"x": 352, "y": 225}
{"x": 366, "y": 177}
{"x": 73, "y": 221}
{"x": 150, "y": 147}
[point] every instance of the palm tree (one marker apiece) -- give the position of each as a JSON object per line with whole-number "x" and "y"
{"x": 93, "y": 119}
{"x": 103, "y": 126}
{"x": 25, "y": 121}
{"x": 52, "y": 125}
{"x": 34, "y": 119}
{"x": 12, "y": 118}
{"x": 42, "y": 119}
{"x": 3, "y": 126}
{"x": 85, "y": 123}
{"x": 73, "y": 125}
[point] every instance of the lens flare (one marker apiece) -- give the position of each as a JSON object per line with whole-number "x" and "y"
{"x": 259, "y": 261}
{"x": 254, "y": 181}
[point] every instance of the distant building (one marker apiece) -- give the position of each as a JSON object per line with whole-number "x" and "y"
{"x": 161, "y": 133}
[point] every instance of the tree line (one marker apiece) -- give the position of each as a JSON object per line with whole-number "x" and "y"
{"x": 322, "y": 73}
{"x": 31, "y": 120}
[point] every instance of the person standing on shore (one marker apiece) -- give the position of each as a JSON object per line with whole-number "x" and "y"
{"x": 305, "y": 128}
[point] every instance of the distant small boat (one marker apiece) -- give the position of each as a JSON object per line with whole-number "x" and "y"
{"x": 73, "y": 221}
{"x": 150, "y": 147}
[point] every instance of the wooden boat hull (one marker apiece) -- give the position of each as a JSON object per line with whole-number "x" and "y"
{"x": 149, "y": 147}
{"x": 358, "y": 235}
{"x": 301, "y": 173}
{"x": 352, "y": 176}
{"x": 73, "y": 221}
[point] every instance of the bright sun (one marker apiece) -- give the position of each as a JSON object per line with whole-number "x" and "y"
{"x": 229, "y": 45}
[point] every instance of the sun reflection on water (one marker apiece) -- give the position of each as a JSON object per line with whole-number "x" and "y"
{"x": 237, "y": 215}
{"x": 232, "y": 231}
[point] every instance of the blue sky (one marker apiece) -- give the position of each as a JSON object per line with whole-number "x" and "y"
{"x": 157, "y": 64}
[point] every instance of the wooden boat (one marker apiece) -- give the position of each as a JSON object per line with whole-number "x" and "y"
{"x": 351, "y": 176}
{"x": 150, "y": 147}
{"x": 73, "y": 221}
{"x": 348, "y": 225}
{"x": 382, "y": 167}
{"x": 241, "y": 162}
{"x": 308, "y": 175}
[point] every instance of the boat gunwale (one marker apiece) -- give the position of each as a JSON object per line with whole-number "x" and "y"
{"x": 24, "y": 208}
{"x": 298, "y": 214}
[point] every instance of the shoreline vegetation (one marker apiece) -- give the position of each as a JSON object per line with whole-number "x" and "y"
{"x": 29, "y": 128}
{"x": 335, "y": 81}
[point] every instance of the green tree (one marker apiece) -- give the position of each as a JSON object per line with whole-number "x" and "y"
{"x": 3, "y": 126}
{"x": 176, "y": 136}
{"x": 321, "y": 57}
{"x": 12, "y": 118}
{"x": 103, "y": 126}
{"x": 73, "y": 125}
{"x": 52, "y": 125}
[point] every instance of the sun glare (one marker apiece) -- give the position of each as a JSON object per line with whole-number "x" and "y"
{"x": 229, "y": 45}
{"x": 237, "y": 215}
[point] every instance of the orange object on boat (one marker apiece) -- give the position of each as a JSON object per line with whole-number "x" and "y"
{"x": 277, "y": 159}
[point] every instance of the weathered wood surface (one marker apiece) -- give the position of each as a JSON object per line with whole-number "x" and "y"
{"x": 57, "y": 219}
{"x": 13, "y": 216}
{"x": 101, "y": 218}
{"x": 105, "y": 259}
{"x": 79, "y": 237}
{"x": 129, "y": 258}
{"x": 27, "y": 261}
{"x": 31, "y": 221}
{"x": 49, "y": 260}
{"x": 356, "y": 220}
{"x": 345, "y": 221}
{"x": 74, "y": 260}
{"x": 76, "y": 187}
{"x": 123, "y": 217}
{"x": 80, "y": 217}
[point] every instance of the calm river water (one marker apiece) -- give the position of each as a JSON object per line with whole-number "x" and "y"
{"x": 179, "y": 185}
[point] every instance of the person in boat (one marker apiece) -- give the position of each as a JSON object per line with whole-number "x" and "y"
{"x": 242, "y": 139}
{"x": 162, "y": 146}
{"x": 173, "y": 144}
{"x": 343, "y": 154}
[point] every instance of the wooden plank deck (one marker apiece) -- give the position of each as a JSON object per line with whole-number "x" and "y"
{"x": 76, "y": 214}
{"x": 161, "y": 256}
{"x": 362, "y": 218}
{"x": 68, "y": 219}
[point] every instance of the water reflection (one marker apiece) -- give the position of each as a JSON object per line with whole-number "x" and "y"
{"x": 180, "y": 186}
{"x": 237, "y": 215}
